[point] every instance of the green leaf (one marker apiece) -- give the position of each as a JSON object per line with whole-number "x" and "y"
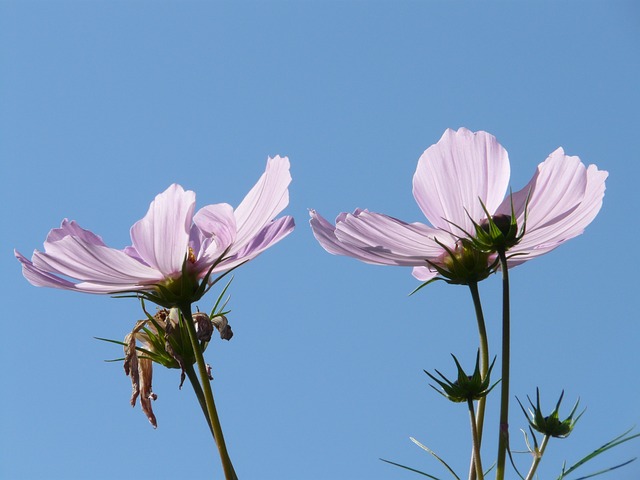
{"x": 410, "y": 469}
{"x": 111, "y": 341}
{"x": 427, "y": 449}
{"x": 620, "y": 439}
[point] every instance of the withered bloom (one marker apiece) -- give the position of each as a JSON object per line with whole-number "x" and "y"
{"x": 164, "y": 339}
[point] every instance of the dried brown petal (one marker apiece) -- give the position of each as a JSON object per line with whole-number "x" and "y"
{"x": 146, "y": 391}
{"x": 222, "y": 324}
{"x": 131, "y": 361}
{"x": 204, "y": 327}
{"x": 168, "y": 329}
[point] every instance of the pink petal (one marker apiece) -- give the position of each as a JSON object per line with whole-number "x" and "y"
{"x": 458, "y": 172}
{"x": 379, "y": 239}
{"x": 40, "y": 278}
{"x": 325, "y": 233}
{"x": 72, "y": 228}
{"x": 424, "y": 273}
{"x": 544, "y": 238}
{"x": 268, "y": 236}
{"x": 161, "y": 238}
{"x": 213, "y": 232}
{"x": 556, "y": 188}
{"x": 73, "y": 257}
{"x": 265, "y": 200}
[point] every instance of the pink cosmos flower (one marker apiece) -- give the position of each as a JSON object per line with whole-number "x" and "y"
{"x": 453, "y": 180}
{"x": 170, "y": 242}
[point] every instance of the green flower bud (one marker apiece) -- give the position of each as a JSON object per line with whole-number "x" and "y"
{"x": 467, "y": 387}
{"x": 550, "y": 425}
{"x": 498, "y": 232}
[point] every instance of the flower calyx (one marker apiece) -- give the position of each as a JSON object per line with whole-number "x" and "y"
{"x": 184, "y": 289}
{"x": 551, "y": 425}
{"x": 467, "y": 387}
{"x": 464, "y": 263}
{"x": 499, "y": 232}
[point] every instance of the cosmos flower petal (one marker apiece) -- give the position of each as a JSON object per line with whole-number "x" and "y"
{"x": 161, "y": 238}
{"x": 458, "y": 172}
{"x": 556, "y": 189}
{"x": 71, "y": 228}
{"x": 73, "y": 257}
{"x": 268, "y": 236}
{"x": 214, "y": 230}
{"x": 424, "y": 274}
{"x": 325, "y": 233}
{"x": 40, "y": 278}
{"x": 545, "y": 238}
{"x": 268, "y": 197}
{"x": 375, "y": 238}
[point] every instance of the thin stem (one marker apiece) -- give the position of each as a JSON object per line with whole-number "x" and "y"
{"x": 195, "y": 383}
{"x": 477, "y": 461}
{"x": 537, "y": 456}
{"x": 484, "y": 368}
{"x": 503, "y": 435}
{"x": 212, "y": 413}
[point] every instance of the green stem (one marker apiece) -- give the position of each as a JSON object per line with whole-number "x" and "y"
{"x": 212, "y": 413}
{"x": 537, "y": 456}
{"x": 484, "y": 368}
{"x": 195, "y": 383}
{"x": 503, "y": 435}
{"x": 477, "y": 461}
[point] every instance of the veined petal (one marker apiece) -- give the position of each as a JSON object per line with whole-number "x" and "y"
{"x": 268, "y": 197}
{"x": 213, "y": 231}
{"x": 73, "y": 257}
{"x": 556, "y": 189}
{"x": 387, "y": 240}
{"x": 161, "y": 238}
{"x": 545, "y": 238}
{"x": 458, "y": 172}
{"x": 40, "y": 278}
{"x": 268, "y": 236}
{"x": 325, "y": 233}
{"x": 72, "y": 228}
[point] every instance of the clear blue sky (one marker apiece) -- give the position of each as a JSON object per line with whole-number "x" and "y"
{"x": 104, "y": 104}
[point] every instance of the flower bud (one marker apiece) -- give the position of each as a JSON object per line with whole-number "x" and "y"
{"x": 498, "y": 232}
{"x": 467, "y": 387}
{"x": 551, "y": 425}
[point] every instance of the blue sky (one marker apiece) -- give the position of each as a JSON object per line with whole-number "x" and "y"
{"x": 104, "y": 104}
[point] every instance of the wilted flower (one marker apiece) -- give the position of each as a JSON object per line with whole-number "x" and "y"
{"x": 164, "y": 339}
{"x": 172, "y": 249}
{"x": 460, "y": 184}
{"x": 551, "y": 425}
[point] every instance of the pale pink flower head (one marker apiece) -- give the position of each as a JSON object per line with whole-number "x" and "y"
{"x": 457, "y": 182}
{"x": 173, "y": 249}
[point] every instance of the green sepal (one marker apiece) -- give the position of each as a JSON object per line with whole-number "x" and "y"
{"x": 551, "y": 425}
{"x": 466, "y": 387}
